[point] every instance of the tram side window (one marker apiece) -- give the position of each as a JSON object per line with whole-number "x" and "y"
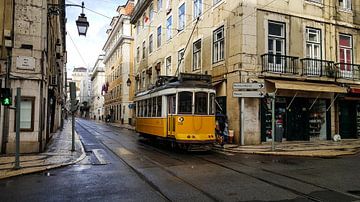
{"x": 153, "y": 107}
{"x": 150, "y": 108}
{"x": 212, "y": 104}
{"x": 201, "y": 103}
{"x": 185, "y": 102}
{"x": 142, "y": 108}
{"x": 137, "y": 109}
{"x": 145, "y": 108}
{"x": 172, "y": 104}
{"x": 159, "y": 101}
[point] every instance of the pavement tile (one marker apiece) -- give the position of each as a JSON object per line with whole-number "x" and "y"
{"x": 57, "y": 154}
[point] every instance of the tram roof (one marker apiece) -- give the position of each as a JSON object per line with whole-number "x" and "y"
{"x": 183, "y": 81}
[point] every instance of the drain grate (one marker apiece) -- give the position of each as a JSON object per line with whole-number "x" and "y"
{"x": 354, "y": 192}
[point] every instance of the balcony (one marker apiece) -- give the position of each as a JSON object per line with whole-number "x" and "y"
{"x": 319, "y": 68}
{"x": 348, "y": 71}
{"x": 282, "y": 64}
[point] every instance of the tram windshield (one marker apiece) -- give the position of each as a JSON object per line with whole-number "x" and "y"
{"x": 201, "y": 103}
{"x": 185, "y": 103}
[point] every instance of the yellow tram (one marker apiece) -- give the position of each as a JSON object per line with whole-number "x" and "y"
{"x": 180, "y": 110}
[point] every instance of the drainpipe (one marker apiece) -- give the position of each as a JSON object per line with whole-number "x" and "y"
{"x": 41, "y": 115}
{"x": 7, "y": 83}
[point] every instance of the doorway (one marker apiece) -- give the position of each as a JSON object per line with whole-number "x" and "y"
{"x": 347, "y": 119}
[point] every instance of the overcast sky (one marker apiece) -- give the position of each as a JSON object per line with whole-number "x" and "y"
{"x": 83, "y": 51}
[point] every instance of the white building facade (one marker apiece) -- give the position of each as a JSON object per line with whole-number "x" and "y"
{"x": 97, "y": 83}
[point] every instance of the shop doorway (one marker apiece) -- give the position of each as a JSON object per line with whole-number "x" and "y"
{"x": 348, "y": 119}
{"x": 298, "y": 121}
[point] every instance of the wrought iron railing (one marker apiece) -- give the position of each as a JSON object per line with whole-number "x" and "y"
{"x": 316, "y": 67}
{"x": 279, "y": 63}
{"x": 348, "y": 71}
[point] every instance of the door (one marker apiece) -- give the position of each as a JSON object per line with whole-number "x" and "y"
{"x": 313, "y": 51}
{"x": 276, "y": 46}
{"x": 171, "y": 102}
{"x": 297, "y": 121}
{"x": 347, "y": 119}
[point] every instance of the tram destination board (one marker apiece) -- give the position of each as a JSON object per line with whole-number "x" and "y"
{"x": 247, "y": 86}
{"x": 254, "y": 94}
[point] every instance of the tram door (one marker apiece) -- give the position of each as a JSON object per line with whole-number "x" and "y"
{"x": 171, "y": 102}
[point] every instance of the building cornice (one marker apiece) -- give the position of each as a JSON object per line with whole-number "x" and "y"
{"x": 313, "y": 18}
{"x": 114, "y": 30}
{"x": 139, "y": 10}
{"x": 121, "y": 39}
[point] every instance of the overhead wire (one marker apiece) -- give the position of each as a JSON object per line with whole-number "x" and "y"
{"x": 82, "y": 58}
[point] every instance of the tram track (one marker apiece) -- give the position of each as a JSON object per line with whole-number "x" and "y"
{"x": 159, "y": 165}
{"x": 224, "y": 166}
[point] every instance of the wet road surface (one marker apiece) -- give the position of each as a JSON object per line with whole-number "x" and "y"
{"x": 120, "y": 166}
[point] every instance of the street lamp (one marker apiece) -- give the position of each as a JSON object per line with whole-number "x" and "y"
{"x": 81, "y": 23}
{"x": 128, "y": 82}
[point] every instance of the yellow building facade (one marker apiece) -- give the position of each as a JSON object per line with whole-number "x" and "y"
{"x": 305, "y": 51}
{"x": 118, "y": 62}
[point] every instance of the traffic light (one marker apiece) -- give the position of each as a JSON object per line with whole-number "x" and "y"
{"x": 6, "y": 97}
{"x": 74, "y": 105}
{"x": 72, "y": 90}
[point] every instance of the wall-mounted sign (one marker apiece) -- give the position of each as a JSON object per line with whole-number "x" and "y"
{"x": 243, "y": 86}
{"x": 27, "y": 63}
{"x": 254, "y": 94}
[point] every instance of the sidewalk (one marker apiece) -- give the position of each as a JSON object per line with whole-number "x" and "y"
{"x": 56, "y": 155}
{"x": 119, "y": 125}
{"x": 326, "y": 148}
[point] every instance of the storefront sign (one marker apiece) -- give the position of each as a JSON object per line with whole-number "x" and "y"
{"x": 243, "y": 86}
{"x": 27, "y": 63}
{"x": 254, "y": 94}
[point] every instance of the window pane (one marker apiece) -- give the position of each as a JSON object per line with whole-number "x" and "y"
{"x": 212, "y": 104}
{"x": 25, "y": 114}
{"x": 169, "y": 27}
{"x": 182, "y": 16}
{"x": 153, "y": 111}
{"x": 276, "y": 29}
{"x": 172, "y": 104}
{"x": 201, "y": 103}
{"x": 159, "y": 36}
{"x": 159, "y": 106}
{"x": 345, "y": 40}
{"x": 185, "y": 102}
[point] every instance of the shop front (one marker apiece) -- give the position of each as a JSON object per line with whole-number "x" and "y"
{"x": 302, "y": 111}
{"x": 349, "y": 115}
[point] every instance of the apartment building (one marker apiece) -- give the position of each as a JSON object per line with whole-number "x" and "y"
{"x": 33, "y": 56}
{"x": 118, "y": 62}
{"x": 97, "y": 82}
{"x": 304, "y": 51}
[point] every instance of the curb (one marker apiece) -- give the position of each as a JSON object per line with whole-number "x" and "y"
{"x": 81, "y": 157}
{"x": 352, "y": 151}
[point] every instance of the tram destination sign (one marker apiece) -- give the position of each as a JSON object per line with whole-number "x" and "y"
{"x": 247, "y": 86}
{"x": 254, "y": 94}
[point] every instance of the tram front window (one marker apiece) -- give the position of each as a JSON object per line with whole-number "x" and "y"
{"x": 185, "y": 102}
{"x": 201, "y": 103}
{"x": 212, "y": 104}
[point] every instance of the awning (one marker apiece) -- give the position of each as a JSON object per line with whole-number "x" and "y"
{"x": 307, "y": 86}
